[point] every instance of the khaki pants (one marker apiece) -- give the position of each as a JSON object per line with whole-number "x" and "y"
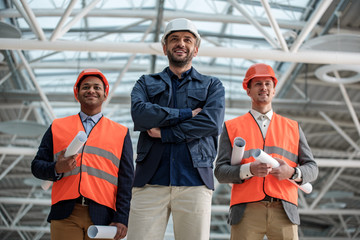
{"x": 74, "y": 227}
{"x": 151, "y": 206}
{"x": 264, "y": 218}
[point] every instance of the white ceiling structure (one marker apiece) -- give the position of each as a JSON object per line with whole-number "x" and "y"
{"x": 313, "y": 46}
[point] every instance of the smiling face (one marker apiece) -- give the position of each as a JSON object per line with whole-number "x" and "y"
{"x": 180, "y": 48}
{"x": 91, "y": 95}
{"x": 261, "y": 91}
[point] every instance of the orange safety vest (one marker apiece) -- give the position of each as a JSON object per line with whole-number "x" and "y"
{"x": 96, "y": 174}
{"x": 282, "y": 141}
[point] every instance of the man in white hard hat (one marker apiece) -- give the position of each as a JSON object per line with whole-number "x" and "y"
{"x": 179, "y": 113}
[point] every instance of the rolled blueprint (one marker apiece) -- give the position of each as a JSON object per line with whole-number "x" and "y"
{"x": 72, "y": 149}
{"x": 263, "y": 157}
{"x": 238, "y": 150}
{"x": 98, "y": 231}
{"x": 76, "y": 144}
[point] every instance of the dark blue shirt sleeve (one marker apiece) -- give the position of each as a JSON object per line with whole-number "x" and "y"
{"x": 125, "y": 181}
{"x": 147, "y": 115}
{"x": 167, "y": 135}
{"x": 43, "y": 165}
{"x": 208, "y": 122}
{"x": 184, "y": 114}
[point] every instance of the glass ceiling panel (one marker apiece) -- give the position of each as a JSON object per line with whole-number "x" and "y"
{"x": 99, "y": 29}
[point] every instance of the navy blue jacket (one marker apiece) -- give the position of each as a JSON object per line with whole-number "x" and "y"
{"x": 150, "y": 101}
{"x": 43, "y": 167}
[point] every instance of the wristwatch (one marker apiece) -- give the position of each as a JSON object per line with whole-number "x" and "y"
{"x": 296, "y": 174}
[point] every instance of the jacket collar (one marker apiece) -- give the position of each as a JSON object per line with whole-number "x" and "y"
{"x": 183, "y": 75}
{"x": 194, "y": 75}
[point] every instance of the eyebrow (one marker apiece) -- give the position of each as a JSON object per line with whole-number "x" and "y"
{"x": 88, "y": 84}
{"x": 186, "y": 36}
{"x": 267, "y": 80}
{"x": 91, "y": 84}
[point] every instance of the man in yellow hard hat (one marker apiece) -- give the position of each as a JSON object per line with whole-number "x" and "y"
{"x": 262, "y": 202}
{"x": 179, "y": 113}
{"x": 94, "y": 185}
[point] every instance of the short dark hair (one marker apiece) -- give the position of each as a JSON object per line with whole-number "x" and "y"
{"x": 249, "y": 83}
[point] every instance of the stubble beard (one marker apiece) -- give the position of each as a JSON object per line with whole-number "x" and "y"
{"x": 180, "y": 62}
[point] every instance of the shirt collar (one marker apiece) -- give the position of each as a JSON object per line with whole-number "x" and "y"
{"x": 257, "y": 114}
{"x": 95, "y": 117}
{"x": 183, "y": 75}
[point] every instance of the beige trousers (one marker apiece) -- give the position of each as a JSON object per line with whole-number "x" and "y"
{"x": 264, "y": 218}
{"x": 151, "y": 206}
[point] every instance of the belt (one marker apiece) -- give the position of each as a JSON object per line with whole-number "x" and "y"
{"x": 271, "y": 199}
{"x": 82, "y": 200}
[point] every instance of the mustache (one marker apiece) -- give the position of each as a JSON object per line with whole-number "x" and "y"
{"x": 91, "y": 95}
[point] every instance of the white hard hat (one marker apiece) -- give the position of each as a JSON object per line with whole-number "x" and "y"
{"x": 181, "y": 24}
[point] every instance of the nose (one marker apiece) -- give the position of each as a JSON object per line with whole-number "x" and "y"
{"x": 263, "y": 86}
{"x": 181, "y": 43}
{"x": 91, "y": 89}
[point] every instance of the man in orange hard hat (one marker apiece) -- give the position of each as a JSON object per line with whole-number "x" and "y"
{"x": 94, "y": 185}
{"x": 262, "y": 203}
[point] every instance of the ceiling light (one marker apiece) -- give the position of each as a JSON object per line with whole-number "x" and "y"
{"x": 351, "y": 72}
{"x": 334, "y": 42}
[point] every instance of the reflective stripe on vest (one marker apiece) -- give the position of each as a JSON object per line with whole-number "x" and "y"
{"x": 96, "y": 174}
{"x": 282, "y": 141}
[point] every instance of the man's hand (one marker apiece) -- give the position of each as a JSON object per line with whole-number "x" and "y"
{"x": 284, "y": 171}
{"x": 260, "y": 169}
{"x": 154, "y": 132}
{"x": 121, "y": 230}
{"x": 65, "y": 164}
{"x": 196, "y": 111}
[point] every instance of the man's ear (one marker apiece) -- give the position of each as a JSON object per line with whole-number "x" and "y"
{"x": 248, "y": 91}
{"x": 196, "y": 51}
{"x": 164, "y": 50}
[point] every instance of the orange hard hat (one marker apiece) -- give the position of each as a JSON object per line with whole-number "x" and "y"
{"x": 259, "y": 70}
{"x": 90, "y": 72}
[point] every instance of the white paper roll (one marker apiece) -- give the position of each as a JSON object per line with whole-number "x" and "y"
{"x": 72, "y": 149}
{"x": 306, "y": 187}
{"x": 98, "y": 231}
{"x": 76, "y": 144}
{"x": 238, "y": 150}
{"x": 46, "y": 184}
{"x": 263, "y": 157}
